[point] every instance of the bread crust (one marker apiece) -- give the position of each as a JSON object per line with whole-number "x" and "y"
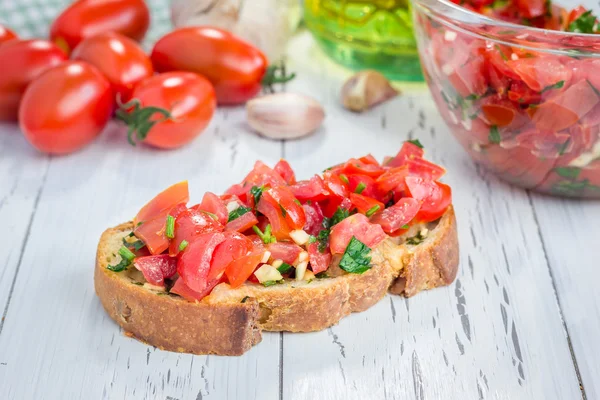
{"x": 229, "y": 321}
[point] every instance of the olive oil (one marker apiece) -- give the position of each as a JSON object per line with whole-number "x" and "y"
{"x": 364, "y": 34}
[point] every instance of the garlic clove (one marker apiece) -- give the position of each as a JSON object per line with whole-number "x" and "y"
{"x": 365, "y": 90}
{"x": 284, "y": 115}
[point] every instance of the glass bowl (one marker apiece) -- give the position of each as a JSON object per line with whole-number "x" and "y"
{"x": 524, "y": 102}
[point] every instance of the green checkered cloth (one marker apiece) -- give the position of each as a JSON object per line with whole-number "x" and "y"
{"x": 32, "y": 18}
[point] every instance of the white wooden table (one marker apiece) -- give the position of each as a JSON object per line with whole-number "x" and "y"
{"x": 522, "y": 320}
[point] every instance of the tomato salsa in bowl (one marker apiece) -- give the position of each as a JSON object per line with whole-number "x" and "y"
{"x": 518, "y": 83}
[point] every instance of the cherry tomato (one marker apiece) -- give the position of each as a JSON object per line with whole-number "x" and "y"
{"x": 289, "y": 206}
{"x": 194, "y": 263}
{"x": 239, "y": 270}
{"x": 261, "y": 175}
{"x": 319, "y": 262}
{"x": 191, "y": 224}
{"x": 286, "y": 251}
{"x": 364, "y": 203}
{"x": 284, "y": 169}
{"x": 435, "y": 197}
{"x": 235, "y": 246}
{"x": 187, "y": 97}
{"x": 156, "y": 268}
{"x": 242, "y": 223}
{"x": 270, "y": 209}
{"x": 22, "y": 62}
{"x": 214, "y": 205}
{"x": 235, "y": 68}
{"x": 152, "y": 231}
{"x": 395, "y": 217}
{"x": 312, "y": 189}
{"x": 87, "y": 18}
{"x": 6, "y": 34}
{"x": 356, "y": 225}
{"x": 120, "y": 59}
{"x": 314, "y": 218}
{"x": 183, "y": 290}
{"x": 65, "y": 108}
{"x": 164, "y": 201}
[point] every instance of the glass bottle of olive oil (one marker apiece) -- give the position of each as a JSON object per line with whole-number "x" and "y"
{"x": 364, "y": 34}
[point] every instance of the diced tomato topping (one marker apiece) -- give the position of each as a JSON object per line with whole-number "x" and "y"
{"x": 152, "y": 232}
{"x": 356, "y": 225}
{"x": 284, "y": 169}
{"x": 540, "y": 72}
{"x": 183, "y": 290}
{"x": 191, "y": 224}
{"x": 270, "y": 209}
{"x": 435, "y": 197}
{"x": 531, "y": 8}
{"x": 163, "y": 202}
{"x": 335, "y": 185}
{"x": 235, "y": 246}
{"x": 239, "y": 191}
{"x": 194, "y": 263}
{"x": 242, "y": 223}
{"x": 363, "y": 184}
{"x": 425, "y": 169}
{"x": 408, "y": 151}
{"x": 213, "y": 204}
{"x": 499, "y": 113}
{"x": 313, "y": 189}
{"x": 391, "y": 179}
{"x": 257, "y": 242}
{"x": 288, "y": 205}
{"x": 319, "y": 262}
{"x": 354, "y": 166}
{"x": 395, "y": 217}
{"x": 286, "y": 251}
{"x": 239, "y": 270}
{"x": 314, "y": 218}
{"x": 364, "y": 203}
{"x": 369, "y": 159}
{"x": 263, "y": 175}
{"x": 156, "y": 268}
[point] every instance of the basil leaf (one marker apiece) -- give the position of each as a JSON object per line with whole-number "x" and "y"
{"x": 494, "y": 136}
{"x": 586, "y": 23}
{"x": 238, "y": 212}
{"x": 356, "y": 258}
{"x": 568, "y": 172}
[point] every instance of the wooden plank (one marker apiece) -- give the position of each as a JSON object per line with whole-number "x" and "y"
{"x": 57, "y": 334}
{"x": 495, "y": 333}
{"x": 22, "y": 174}
{"x": 570, "y": 234}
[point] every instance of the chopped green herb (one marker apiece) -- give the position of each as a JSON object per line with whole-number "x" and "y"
{"x": 266, "y": 236}
{"x": 139, "y": 224}
{"x": 360, "y": 188}
{"x": 162, "y": 293}
{"x": 283, "y": 268}
{"x": 417, "y": 239}
{"x": 238, "y": 212}
{"x": 245, "y": 298}
{"x": 271, "y": 283}
{"x": 557, "y": 85}
{"x": 356, "y": 258}
{"x": 183, "y": 245}
{"x": 323, "y": 239}
{"x": 126, "y": 254}
{"x": 322, "y": 275}
{"x": 344, "y": 179}
{"x": 405, "y": 226}
{"x": 257, "y": 192}
{"x": 213, "y": 216}
{"x": 494, "y": 136}
{"x": 563, "y": 148}
{"x": 138, "y": 283}
{"x": 312, "y": 239}
{"x": 499, "y": 4}
{"x": 472, "y": 97}
{"x": 586, "y": 23}
{"x": 501, "y": 53}
{"x": 372, "y": 210}
{"x": 298, "y": 202}
{"x": 416, "y": 142}
{"x": 137, "y": 245}
{"x": 170, "y": 228}
{"x": 568, "y": 172}
{"x": 593, "y": 88}
{"x": 339, "y": 215}
{"x": 283, "y": 212}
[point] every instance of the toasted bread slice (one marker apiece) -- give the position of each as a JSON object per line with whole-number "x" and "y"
{"x": 230, "y": 321}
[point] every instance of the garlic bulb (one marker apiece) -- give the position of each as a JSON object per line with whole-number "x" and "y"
{"x": 284, "y": 115}
{"x": 267, "y": 24}
{"x": 365, "y": 90}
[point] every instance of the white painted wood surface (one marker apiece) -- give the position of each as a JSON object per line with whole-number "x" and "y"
{"x": 527, "y": 263}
